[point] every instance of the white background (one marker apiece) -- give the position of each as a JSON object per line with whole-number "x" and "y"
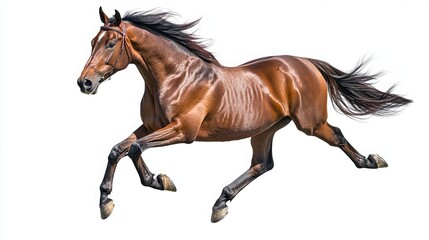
{"x": 55, "y": 140}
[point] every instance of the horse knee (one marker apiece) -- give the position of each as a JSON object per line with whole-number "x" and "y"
{"x": 114, "y": 155}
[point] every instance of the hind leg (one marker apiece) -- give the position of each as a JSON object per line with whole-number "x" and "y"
{"x": 262, "y": 161}
{"x": 333, "y": 136}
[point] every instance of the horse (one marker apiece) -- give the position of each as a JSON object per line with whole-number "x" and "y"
{"x": 189, "y": 96}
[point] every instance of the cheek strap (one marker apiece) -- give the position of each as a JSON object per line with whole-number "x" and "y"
{"x": 123, "y": 33}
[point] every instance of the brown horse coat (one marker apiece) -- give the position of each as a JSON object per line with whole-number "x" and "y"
{"x": 189, "y": 96}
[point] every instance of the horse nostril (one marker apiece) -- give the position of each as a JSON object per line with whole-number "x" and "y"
{"x": 87, "y": 84}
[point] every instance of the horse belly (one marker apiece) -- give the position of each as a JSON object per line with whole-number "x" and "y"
{"x": 239, "y": 118}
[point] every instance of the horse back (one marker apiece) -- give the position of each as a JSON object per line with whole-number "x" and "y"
{"x": 296, "y": 83}
{"x": 252, "y": 97}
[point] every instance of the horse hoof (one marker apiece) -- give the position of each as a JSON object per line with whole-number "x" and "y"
{"x": 106, "y": 208}
{"x": 379, "y": 161}
{"x": 167, "y": 183}
{"x": 219, "y": 214}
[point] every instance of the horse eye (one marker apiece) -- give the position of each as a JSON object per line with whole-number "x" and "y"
{"x": 111, "y": 44}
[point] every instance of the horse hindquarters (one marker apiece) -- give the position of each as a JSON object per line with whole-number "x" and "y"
{"x": 310, "y": 110}
{"x": 354, "y": 96}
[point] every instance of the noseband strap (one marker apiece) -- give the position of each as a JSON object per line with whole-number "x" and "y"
{"x": 123, "y": 33}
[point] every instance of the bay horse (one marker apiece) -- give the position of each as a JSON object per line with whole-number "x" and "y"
{"x": 189, "y": 96}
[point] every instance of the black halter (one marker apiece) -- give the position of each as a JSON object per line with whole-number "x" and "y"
{"x": 123, "y": 33}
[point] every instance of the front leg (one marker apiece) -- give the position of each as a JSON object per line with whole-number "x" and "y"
{"x": 171, "y": 134}
{"x": 118, "y": 151}
{"x": 133, "y": 146}
{"x": 147, "y": 178}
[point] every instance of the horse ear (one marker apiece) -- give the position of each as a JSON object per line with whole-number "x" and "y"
{"x": 103, "y": 16}
{"x": 118, "y": 17}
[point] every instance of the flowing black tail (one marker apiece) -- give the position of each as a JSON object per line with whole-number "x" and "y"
{"x": 354, "y": 94}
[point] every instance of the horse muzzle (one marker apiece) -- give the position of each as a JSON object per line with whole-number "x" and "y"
{"x": 88, "y": 86}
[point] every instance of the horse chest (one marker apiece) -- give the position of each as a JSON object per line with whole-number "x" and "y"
{"x": 152, "y": 113}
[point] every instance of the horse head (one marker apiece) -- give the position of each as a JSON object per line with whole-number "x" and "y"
{"x": 107, "y": 54}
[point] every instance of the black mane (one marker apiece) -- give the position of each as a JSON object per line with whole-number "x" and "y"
{"x": 158, "y": 23}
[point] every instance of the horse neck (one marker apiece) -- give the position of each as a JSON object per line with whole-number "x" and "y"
{"x": 158, "y": 58}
